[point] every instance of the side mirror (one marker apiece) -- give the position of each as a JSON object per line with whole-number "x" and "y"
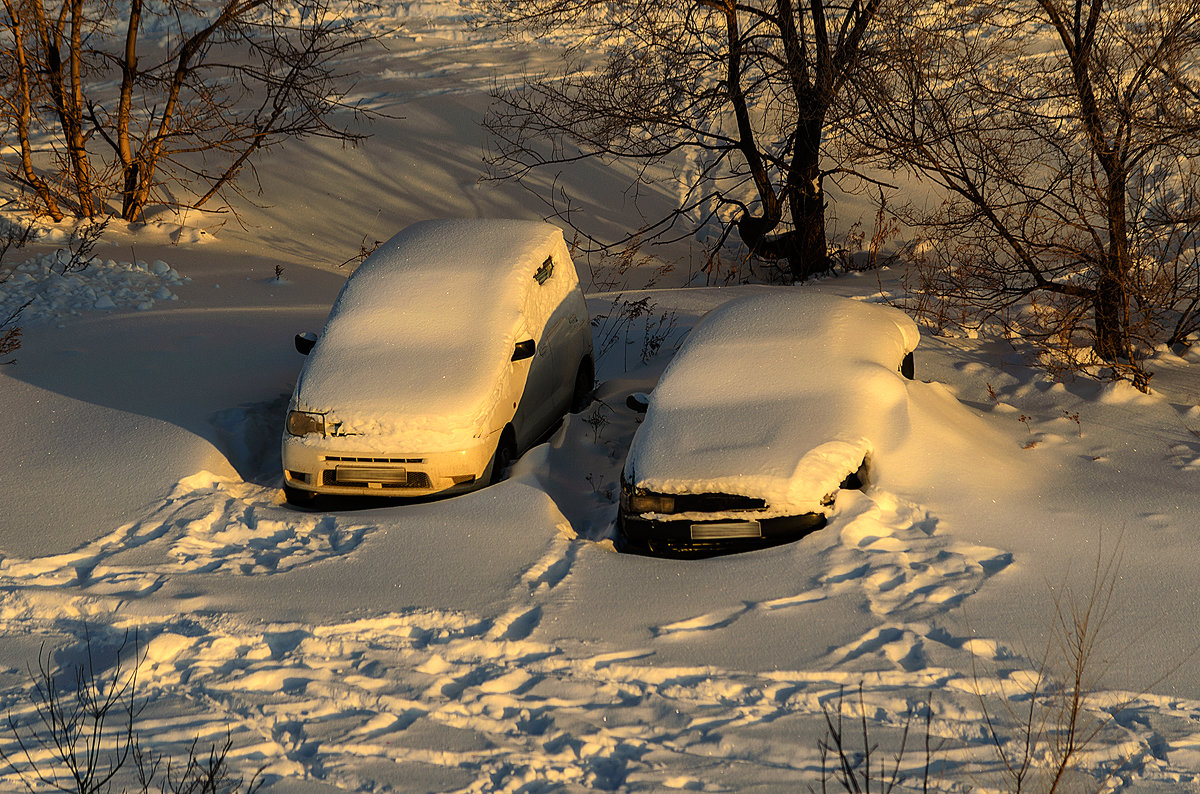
{"x": 305, "y": 342}
{"x": 524, "y": 349}
{"x": 639, "y": 402}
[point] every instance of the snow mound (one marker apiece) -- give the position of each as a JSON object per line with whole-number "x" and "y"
{"x": 51, "y": 288}
{"x": 1122, "y": 392}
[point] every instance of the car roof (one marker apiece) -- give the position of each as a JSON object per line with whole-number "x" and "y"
{"x": 809, "y": 329}
{"x": 418, "y": 337}
{"x": 775, "y": 395}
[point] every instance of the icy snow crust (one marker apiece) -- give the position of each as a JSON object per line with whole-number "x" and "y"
{"x": 412, "y": 354}
{"x": 776, "y": 396}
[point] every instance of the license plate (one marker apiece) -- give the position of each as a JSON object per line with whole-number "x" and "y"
{"x": 370, "y": 474}
{"x": 724, "y": 530}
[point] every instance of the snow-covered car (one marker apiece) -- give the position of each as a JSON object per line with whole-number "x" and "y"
{"x": 766, "y": 411}
{"x": 454, "y": 346}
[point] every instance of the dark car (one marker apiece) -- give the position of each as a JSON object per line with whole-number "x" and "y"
{"x": 764, "y": 414}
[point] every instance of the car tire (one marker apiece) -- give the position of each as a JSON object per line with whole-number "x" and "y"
{"x": 623, "y": 544}
{"x": 585, "y": 384}
{"x": 299, "y": 497}
{"x": 505, "y": 456}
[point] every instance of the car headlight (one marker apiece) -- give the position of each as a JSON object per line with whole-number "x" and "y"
{"x": 651, "y": 503}
{"x": 638, "y": 500}
{"x": 303, "y": 423}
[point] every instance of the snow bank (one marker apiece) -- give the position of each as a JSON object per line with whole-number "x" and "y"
{"x": 101, "y": 285}
{"x": 415, "y": 345}
{"x": 777, "y": 396}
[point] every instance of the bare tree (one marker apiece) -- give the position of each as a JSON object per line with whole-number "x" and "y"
{"x": 745, "y": 95}
{"x": 10, "y": 332}
{"x": 14, "y": 237}
{"x": 162, "y": 103}
{"x": 81, "y": 733}
{"x": 1065, "y": 136}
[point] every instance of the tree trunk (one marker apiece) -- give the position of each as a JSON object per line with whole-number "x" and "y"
{"x": 129, "y": 166}
{"x": 804, "y": 247}
{"x": 24, "y": 100}
{"x": 1112, "y": 333}
{"x": 808, "y": 255}
{"x": 72, "y": 115}
{"x": 1111, "y": 304}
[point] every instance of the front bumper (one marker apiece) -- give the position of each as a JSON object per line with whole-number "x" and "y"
{"x": 701, "y": 538}
{"x": 328, "y": 470}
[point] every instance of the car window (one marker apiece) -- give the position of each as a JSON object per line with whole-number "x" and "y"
{"x": 545, "y": 272}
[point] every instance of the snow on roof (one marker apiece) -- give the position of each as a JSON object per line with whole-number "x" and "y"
{"x": 415, "y": 343}
{"x": 775, "y": 396}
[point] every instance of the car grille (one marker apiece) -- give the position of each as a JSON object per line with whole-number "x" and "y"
{"x": 715, "y": 503}
{"x": 348, "y": 459}
{"x": 415, "y": 479}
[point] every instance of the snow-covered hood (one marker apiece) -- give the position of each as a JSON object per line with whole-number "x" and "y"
{"x": 775, "y": 396}
{"x": 417, "y": 346}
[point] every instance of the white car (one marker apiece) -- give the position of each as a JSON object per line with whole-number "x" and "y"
{"x": 767, "y": 410}
{"x": 453, "y": 347}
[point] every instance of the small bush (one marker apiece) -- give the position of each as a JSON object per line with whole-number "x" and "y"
{"x": 83, "y": 736}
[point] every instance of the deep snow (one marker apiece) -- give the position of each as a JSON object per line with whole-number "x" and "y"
{"x": 496, "y": 641}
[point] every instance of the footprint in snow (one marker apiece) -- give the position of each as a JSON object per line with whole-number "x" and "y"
{"x": 1185, "y": 456}
{"x": 891, "y": 552}
{"x": 207, "y": 523}
{"x": 552, "y": 568}
{"x": 213, "y": 523}
{"x": 706, "y": 622}
{"x": 441, "y": 697}
{"x": 888, "y": 551}
{"x": 895, "y": 646}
